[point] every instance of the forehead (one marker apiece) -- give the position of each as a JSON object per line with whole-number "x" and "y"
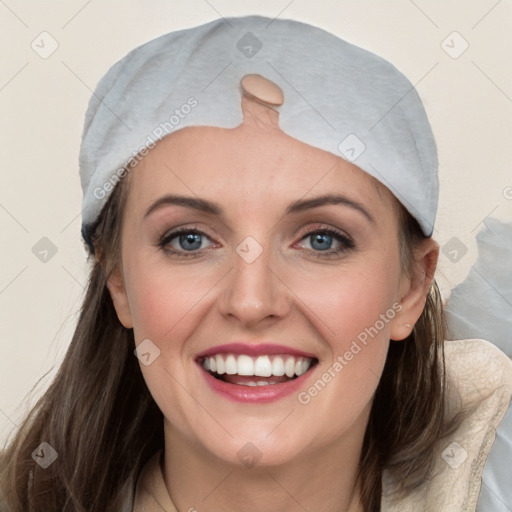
{"x": 250, "y": 163}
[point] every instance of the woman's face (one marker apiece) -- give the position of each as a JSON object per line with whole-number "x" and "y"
{"x": 249, "y": 250}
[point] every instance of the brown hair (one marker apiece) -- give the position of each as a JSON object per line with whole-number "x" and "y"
{"x": 407, "y": 418}
{"x": 101, "y": 419}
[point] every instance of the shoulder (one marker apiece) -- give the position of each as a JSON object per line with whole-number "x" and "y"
{"x": 478, "y": 394}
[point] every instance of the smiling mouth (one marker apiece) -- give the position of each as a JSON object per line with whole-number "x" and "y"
{"x": 263, "y": 370}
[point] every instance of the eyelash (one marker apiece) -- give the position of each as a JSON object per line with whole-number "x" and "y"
{"x": 346, "y": 242}
{"x": 165, "y": 240}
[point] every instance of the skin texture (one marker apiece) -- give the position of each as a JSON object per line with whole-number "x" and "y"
{"x": 291, "y": 295}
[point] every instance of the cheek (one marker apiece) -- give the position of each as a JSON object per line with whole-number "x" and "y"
{"x": 163, "y": 302}
{"x": 349, "y": 302}
{"x": 365, "y": 306}
{"x": 166, "y": 305}
{"x": 353, "y": 313}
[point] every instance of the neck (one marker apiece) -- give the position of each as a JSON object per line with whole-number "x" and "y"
{"x": 324, "y": 480}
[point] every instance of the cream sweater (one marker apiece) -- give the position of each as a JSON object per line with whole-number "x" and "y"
{"x": 479, "y": 378}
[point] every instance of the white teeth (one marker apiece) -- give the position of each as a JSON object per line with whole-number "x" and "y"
{"x": 278, "y": 366}
{"x": 245, "y": 365}
{"x": 289, "y": 367}
{"x": 304, "y": 367}
{"x": 301, "y": 367}
{"x": 262, "y": 366}
{"x": 231, "y": 366}
{"x": 221, "y": 367}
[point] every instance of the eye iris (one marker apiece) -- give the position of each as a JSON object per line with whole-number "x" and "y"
{"x": 190, "y": 241}
{"x": 321, "y": 241}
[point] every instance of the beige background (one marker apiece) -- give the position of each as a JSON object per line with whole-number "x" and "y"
{"x": 43, "y": 101}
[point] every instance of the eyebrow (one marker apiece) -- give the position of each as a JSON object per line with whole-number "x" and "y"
{"x": 315, "y": 202}
{"x": 300, "y": 205}
{"x": 189, "y": 202}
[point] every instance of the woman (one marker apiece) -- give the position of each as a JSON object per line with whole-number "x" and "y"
{"x": 259, "y": 200}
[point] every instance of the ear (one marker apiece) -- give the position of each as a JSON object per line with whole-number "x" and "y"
{"x": 115, "y": 285}
{"x": 414, "y": 288}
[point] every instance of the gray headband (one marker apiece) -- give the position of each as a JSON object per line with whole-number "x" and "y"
{"x": 337, "y": 97}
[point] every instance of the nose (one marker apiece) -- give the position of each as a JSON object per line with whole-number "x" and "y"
{"x": 254, "y": 294}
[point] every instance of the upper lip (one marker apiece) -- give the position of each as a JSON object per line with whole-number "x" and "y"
{"x": 260, "y": 349}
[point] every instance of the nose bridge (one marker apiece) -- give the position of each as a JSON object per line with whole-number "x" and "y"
{"x": 253, "y": 292}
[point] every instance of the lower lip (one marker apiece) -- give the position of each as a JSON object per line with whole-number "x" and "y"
{"x": 254, "y": 394}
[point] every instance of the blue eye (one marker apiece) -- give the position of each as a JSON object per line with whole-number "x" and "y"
{"x": 322, "y": 241}
{"x": 190, "y": 241}
{"x": 184, "y": 242}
